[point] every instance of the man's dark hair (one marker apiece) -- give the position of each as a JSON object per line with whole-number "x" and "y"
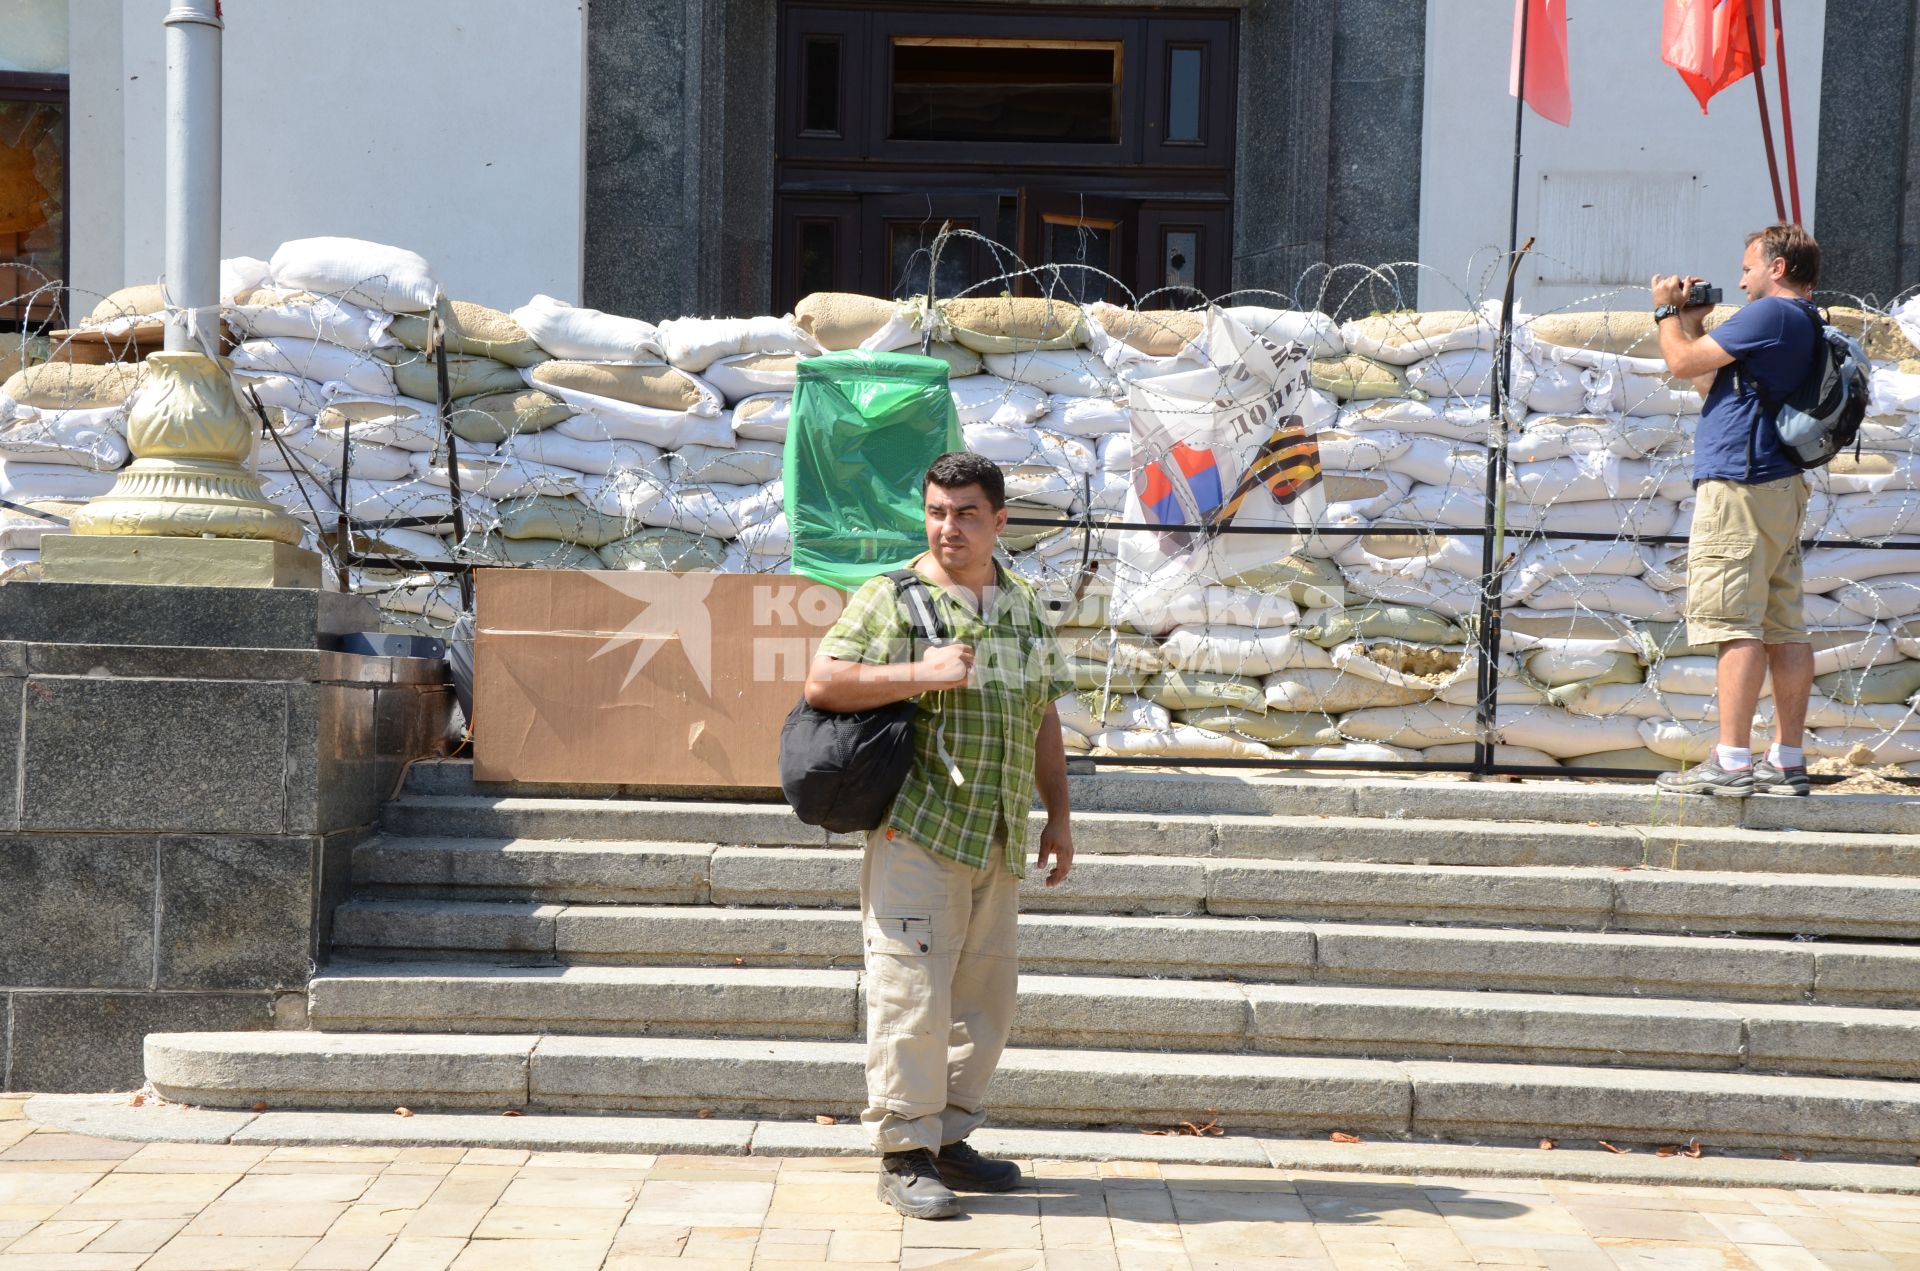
{"x": 962, "y": 467}
{"x": 1793, "y": 245}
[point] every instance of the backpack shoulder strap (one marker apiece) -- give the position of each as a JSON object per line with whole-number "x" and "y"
{"x": 921, "y": 614}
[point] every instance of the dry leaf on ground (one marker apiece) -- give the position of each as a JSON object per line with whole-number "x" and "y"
{"x": 259, "y": 1107}
{"x": 1666, "y": 1149}
{"x": 403, "y": 1112}
{"x": 1341, "y": 1136}
{"x": 824, "y": 1119}
{"x": 1617, "y": 1151}
{"x": 512, "y": 1112}
{"x": 1547, "y": 1145}
{"x": 1787, "y": 1156}
{"x": 704, "y": 1113}
{"x": 1695, "y": 1149}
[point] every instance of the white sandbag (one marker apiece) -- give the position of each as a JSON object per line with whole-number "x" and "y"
{"x": 1344, "y": 451}
{"x": 1061, "y": 451}
{"x": 1318, "y": 332}
{"x": 749, "y": 463}
{"x": 1850, "y": 649}
{"x": 1438, "y": 461}
{"x": 1869, "y": 472}
{"x": 1865, "y": 517}
{"x": 1178, "y": 741}
{"x": 1524, "y": 627}
{"x": 1645, "y": 518}
{"x": 1354, "y": 753}
{"x": 567, "y": 331}
{"x": 1639, "y": 701}
{"x": 1410, "y": 555}
{"x": 1420, "y": 668}
{"x": 1826, "y": 714}
{"x": 1361, "y": 498}
{"x": 763, "y": 418}
{"x": 1440, "y": 590}
{"x": 999, "y": 442}
{"x": 1035, "y": 483}
{"x": 554, "y": 448}
{"x": 1546, "y": 559}
{"x": 89, "y": 438}
{"x": 1092, "y": 712}
{"x": 1606, "y": 593}
{"x": 1453, "y": 507}
{"x": 1906, "y": 637}
{"x": 1899, "y": 433}
{"x": 1548, "y": 437}
{"x": 747, "y": 375}
{"x": 1326, "y": 692}
{"x": 302, "y": 316}
{"x": 770, "y": 539}
{"x": 26, "y": 481}
{"x": 1508, "y": 690}
{"x": 315, "y": 360}
{"x": 1505, "y": 756}
{"x": 396, "y": 540}
{"x": 631, "y": 494}
{"x": 1886, "y": 748}
{"x": 1694, "y": 674}
{"x": 694, "y": 344}
{"x": 1690, "y": 741}
{"x": 1215, "y": 606}
{"x": 1825, "y": 569}
{"x": 719, "y": 511}
{"x": 1465, "y": 373}
{"x": 405, "y": 422}
{"x": 1227, "y": 649}
{"x": 357, "y": 272}
{"x": 1549, "y": 386}
{"x": 1590, "y": 477}
{"x": 303, "y": 499}
{"x": 1414, "y": 727}
{"x": 1455, "y": 421}
{"x": 1892, "y": 392}
{"x": 621, "y": 421}
{"x": 424, "y": 595}
{"x": 1561, "y": 733}
{"x": 240, "y": 275}
{"x": 1102, "y": 417}
{"x": 397, "y": 500}
{"x": 280, "y": 392}
{"x": 498, "y": 476}
{"x": 1621, "y": 393}
{"x": 989, "y": 399}
{"x": 1888, "y": 598}
{"x": 1067, "y": 372}
{"x": 315, "y": 451}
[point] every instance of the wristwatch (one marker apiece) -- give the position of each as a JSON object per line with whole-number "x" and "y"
{"x": 1663, "y": 312}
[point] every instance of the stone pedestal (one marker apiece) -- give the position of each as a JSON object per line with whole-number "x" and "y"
{"x": 193, "y": 767}
{"x": 177, "y": 562}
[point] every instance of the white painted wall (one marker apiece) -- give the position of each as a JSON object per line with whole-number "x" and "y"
{"x": 1641, "y": 182}
{"x": 33, "y": 35}
{"x": 455, "y": 128}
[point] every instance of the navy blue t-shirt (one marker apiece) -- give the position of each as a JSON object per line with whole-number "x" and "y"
{"x": 1771, "y": 340}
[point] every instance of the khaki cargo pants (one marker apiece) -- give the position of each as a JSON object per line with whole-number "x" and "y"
{"x": 941, "y": 984}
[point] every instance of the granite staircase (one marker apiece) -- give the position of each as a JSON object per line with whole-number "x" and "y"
{"x": 1430, "y": 959}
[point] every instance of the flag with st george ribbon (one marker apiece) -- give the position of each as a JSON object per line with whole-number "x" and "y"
{"x": 1224, "y": 448}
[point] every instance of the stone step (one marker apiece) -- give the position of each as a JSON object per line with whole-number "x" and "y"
{"x": 1634, "y": 803}
{"x": 1250, "y": 949}
{"x": 1106, "y": 1012}
{"x": 1441, "y": 835}
{"x": 1573, "y": 898}
{"x": 803, "y": 1079}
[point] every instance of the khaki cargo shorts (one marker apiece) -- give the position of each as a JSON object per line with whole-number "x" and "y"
{"x": 1743, "y": 562}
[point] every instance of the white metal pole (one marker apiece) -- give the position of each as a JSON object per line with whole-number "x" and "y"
{"x": 193, "y": 170}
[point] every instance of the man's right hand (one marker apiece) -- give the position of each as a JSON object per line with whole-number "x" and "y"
{"x": 946, "y": 666}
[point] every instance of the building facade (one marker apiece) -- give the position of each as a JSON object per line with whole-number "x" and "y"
{"x": 661, "y": 157}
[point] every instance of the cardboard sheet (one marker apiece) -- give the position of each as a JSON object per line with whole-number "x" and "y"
{"x": 640, "y": 678}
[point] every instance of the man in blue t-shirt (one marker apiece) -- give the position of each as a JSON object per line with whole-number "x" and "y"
{"x": 1743, "y": 556}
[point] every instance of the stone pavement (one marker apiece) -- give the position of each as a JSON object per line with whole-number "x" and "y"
{"x": 73, "y": 1203}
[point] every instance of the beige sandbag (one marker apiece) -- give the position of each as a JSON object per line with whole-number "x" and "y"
{"x": 665, "y": 550}
{"x": 474, "y": 329}
{"x": 841, "y": 319}
{"x": 1091, "y": 674}
{"x": 1157, "y": 334}
{"x": 70, "y": 385}
{"x": 1014, "y": 324}
{"x": 1355, "y": 378}
{"x": 1405, "y": 336}
{"x": 1878, "y": 334}
{"x": 1306, "y": 580}
{"x": 1193, "y": 690}
{"x": 961, "y": 361}
{"x": 1506, "y": 756}
{"x": 1132, "y": 652}
{"x": 1329, "y": 627}
{"x": 1280, "y": 728}
{"x": 494, "y": 417}
{"x": 558, "y": 517}
{"x": 653, "y": 384}
{"x": 129, "y": 302}
{"x": 1628, "y": 331}
{"x": 1330, "y": 692}
{"x": 1888, "y": 684}
{"x": 415, "y": 375}
{"x": 1639, "y": 759}
{"x": 1415, "y": 727}
{"x": 548, "y": 553}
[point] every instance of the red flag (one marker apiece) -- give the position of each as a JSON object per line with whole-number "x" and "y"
{"x": 1710, "y": 43}
{"x": 1544, "y": 60}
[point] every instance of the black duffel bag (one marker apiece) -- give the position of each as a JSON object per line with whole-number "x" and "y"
{"x": 843, "y": 770}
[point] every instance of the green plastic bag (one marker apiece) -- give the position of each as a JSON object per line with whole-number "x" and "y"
{"x": 865, "y": 428}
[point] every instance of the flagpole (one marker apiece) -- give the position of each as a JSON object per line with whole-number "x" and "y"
{"x": 1493, "y": 529}
{"x": 1786, "y": 110}
{"x": 1758, "y": 51}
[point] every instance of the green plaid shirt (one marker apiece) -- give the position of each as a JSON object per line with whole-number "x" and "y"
{"x": 987, "y": 731}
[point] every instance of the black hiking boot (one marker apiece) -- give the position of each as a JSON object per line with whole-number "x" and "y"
{"x": 911, "y": 1183}
{"x": 968, "y": 1170}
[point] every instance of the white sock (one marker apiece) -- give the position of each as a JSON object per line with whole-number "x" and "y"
{"x": 1786, "y": 756}
{"x": 1733, "y": 757}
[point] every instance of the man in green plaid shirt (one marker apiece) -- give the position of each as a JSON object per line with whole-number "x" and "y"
{"x": 939, "y": 880}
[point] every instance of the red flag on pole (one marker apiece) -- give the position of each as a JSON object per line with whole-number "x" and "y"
{"x": 1538, "y": 72}
{"x": 1711, "y": 43}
